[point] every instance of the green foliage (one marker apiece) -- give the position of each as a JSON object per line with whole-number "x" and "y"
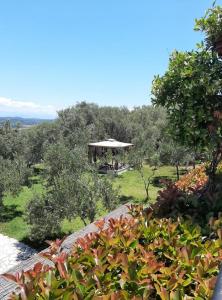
{"x": 188, "y": 91}
{"x": 128, "y": 185}
{"x": 132, "y": 258}
{"x": 12, "y": 141}
{"x": 109, "y": 194}
{"x": 12, "y": 175}
{"x": 38, "y": 139}
{"x": 148, "y": 127}
{"x": 44, "y": 217}
{"x": 86, "y": 122}
{"x": 13, "y": 168}
{"x": 59, "y": 161}
{"x": 211, "y": 25}
{"x": 73, "y": 189}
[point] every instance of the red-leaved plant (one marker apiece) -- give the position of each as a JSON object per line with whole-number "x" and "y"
{"x": 137, "y": 257}
{"x": 194, "y": 180}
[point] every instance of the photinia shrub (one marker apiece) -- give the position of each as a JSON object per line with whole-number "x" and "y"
{"x": 194, "y": 180}
{"x": 188, "y": 197}
{"x": 138, "y": 257}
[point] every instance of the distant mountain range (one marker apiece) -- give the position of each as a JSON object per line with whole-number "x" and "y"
{"x": 24, "y": 122}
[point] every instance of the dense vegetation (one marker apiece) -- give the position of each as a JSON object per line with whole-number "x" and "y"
{"x": 134, "y": 258}
{"x": 56, "y": 154}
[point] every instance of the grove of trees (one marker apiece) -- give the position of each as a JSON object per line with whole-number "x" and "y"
{"x": 72, "y": 187}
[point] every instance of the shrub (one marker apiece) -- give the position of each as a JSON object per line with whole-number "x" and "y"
{"x": 43, "y": 217}
{"x": 133, "y": 258}
{"x": 190, "y": 197}
{"x": 194, "y": 180}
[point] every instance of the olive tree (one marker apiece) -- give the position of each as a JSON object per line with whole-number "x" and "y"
{"x": 73, "y": 189}
{"x": 13, "y": 166}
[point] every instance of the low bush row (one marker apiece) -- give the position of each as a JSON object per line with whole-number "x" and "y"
{"x": 138, "y": 257}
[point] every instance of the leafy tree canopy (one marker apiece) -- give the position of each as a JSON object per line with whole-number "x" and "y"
{"x": 190, "y": 90}
{"x": 211, "y": 25}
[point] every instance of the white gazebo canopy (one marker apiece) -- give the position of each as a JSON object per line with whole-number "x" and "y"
{"x": 100, "y": 149}
{"x": 110, "y": 143}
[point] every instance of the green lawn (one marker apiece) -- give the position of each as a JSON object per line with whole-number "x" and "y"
{"x": 131, "y": 184}
{"x": 12, "y": 221}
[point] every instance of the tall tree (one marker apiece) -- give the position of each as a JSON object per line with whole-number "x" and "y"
{"x": 190, "y": 90}
{"x": 13, "y": 166}
{"x": 12, "y": 141}
{"x": 13, "y": 174}
{"x": 39, "y": 137}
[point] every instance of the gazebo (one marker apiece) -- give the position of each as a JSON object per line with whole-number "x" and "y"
{"x": 108, "y": 152}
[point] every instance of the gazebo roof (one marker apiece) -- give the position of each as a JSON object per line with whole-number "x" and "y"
{"x": 110, "y": 143}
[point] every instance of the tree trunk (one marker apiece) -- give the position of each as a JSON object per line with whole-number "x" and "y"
{"x": 84, "y": 221}
{"x": 177, "y": 171}
{"x": 212, "y": 170}
{"x": 147, "y": 193}
{"x": 91, "y": 218}
{"x": 92, "y": 213}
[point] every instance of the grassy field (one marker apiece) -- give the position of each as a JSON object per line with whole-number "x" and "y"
{"x": 12, "y": 221}
{"x": 131, "y": 184}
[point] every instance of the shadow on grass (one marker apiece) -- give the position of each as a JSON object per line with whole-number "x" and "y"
{"x": 124, "y": 199}
{"x": 37, "y": 245}
{"x": 182, "y": 171}
{"x": 8, "y": 213}
{"x": 158, "y": 181}
{"x": 25, "y": 251}
{"x": 41, "y": 245}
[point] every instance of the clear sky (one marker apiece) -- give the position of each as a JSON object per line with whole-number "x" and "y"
{"x": 54, "y": 53}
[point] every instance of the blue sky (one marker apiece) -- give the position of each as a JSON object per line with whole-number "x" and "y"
{"x": 56, "y": 53}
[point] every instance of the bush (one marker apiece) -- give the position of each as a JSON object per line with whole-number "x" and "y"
{"x": 194, "y": 180}
{"x": 189, "y": 197}
{"x": 43, "y": 217}
{"x": 133, "y": 258}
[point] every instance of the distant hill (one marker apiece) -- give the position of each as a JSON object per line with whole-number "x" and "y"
{"x": 24, "y": 122}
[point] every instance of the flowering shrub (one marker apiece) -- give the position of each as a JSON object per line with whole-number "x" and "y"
{"x": 133, "y": 258}
{"x": 194, "y": 180}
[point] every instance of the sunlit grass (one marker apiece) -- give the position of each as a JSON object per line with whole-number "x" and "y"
{"x": 12, "y": 221}
{"x": 132, "y": 187}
